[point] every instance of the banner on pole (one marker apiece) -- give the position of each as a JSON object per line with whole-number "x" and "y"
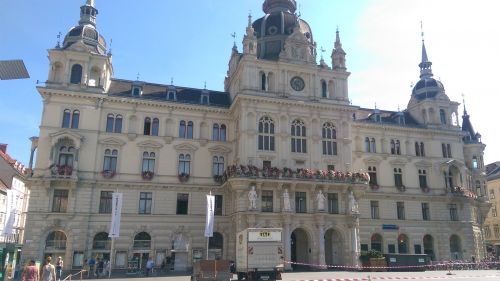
{"x": 209, "y": 226}
{"x": 13, "y": 210}
{"x": 116, "y": 215}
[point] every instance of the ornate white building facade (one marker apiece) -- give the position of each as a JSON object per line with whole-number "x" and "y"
{"x": 284, "y": 127}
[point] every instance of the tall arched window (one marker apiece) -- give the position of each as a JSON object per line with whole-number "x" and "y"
{"x": 75, "y": 119}
{"x": 56, "y": 240}
{"x": 376, "y": 242}
{"x": 370, "y": 145}
{"x": 429, "y": 246}
{"x": 324, "y": 89}
{"x": 147, "y": 126}
{"x": 216, "y": 132}
{"x": 442, "y": 115}
{"x": 403, "y": 244}
{"x": 263, "y": 81}
{"x": 66, "y": 118}
{"x": 114, "y": 125}
{"x": 76, "y": 74}
{"x": 182, "y": 129}
{"x": 190, "y": 126}
{"x": 223, "y": 132}
{"x": 218, "y": 166}
{"x": 299, "y": 137}
{"x": 398, "y": 177}
{"x": 219, "y": 132}
{"x": 184, "y": 164}
{"x": 329, "y": 139}
{"x": 367, "y": 144}
{"x": 110, "y": 122}
{"x": 266, "y": 134}
{"x": 148, "y": 162}
{"x": 156, "y": 127}
{"x": 118, "y": 123}
{"x": 142, "y": 241}
{"x": 101, "y": 241}
{"x": 455, "y": 247}
{"x": 110, "y": 160}
{"x": 66, "y": 156}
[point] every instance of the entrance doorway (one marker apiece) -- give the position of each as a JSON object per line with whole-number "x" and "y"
{"x": 142, "y": 259}
{"x": 429, "y": 247}
{"x": 333, "y": 247}
{"x": 455, "y": 247}
{"x": 300, "y": 249}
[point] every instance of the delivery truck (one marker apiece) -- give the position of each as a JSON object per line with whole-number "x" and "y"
{"x": 259, "y": 254}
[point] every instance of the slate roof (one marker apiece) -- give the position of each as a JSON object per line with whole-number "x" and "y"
{"x": 493, "y": 171}
{"x": 367, "y": 115}
{"x": 158, "y": 92}
{"x": 467, "y": 127}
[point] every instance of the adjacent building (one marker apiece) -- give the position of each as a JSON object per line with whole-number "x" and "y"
{"x": 282, "y": 146}
{"x": 492, "y": 222}
{"x": 14, "y": 196}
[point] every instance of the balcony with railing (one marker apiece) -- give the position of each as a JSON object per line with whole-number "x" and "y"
{"x": 459, "y": 191}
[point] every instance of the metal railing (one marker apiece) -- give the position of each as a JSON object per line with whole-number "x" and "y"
{"x": 70, "y": 277}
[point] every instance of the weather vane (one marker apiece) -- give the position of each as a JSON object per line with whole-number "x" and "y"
{"x": 59, "y": 40}
{"x": 322, "y": 51}
{"x": 138, "y": 76}
{"x": 422, "y": 29}
{"x": 234, "y": 37}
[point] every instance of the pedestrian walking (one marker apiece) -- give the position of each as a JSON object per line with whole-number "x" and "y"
{"x": 149, "y": 267}
{"x": 86, "y": 268}
{"x": 59, "y": 267}
{"x": 91, "y": 267}
{"x": 30, "y": 272}
{"x": 100, "y": 267}
{"x": 48, "y": 271}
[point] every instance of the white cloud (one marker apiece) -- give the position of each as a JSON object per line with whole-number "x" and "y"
{"x": 462, "y": 40}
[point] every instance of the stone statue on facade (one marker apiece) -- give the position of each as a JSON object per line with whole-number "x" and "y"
{"x": 286, "y": 201}
{"x": 252, "y": 198}
{"x": 320, "y": 200}
{"x": 353, "y": 204}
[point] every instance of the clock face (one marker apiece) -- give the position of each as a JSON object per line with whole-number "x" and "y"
{"x": 297, "y": 84}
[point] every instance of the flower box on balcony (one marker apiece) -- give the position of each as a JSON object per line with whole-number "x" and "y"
{"x": 183, "y": 177}
{"x": 147, "y": 175}
{"x": 64, "y": 170}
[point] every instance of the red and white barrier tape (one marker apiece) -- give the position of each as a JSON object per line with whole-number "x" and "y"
{"x": 402, "y": 278}
{"x": 444, "y": 265}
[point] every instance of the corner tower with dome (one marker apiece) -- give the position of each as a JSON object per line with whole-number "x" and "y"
{"x": 339, "y": 179}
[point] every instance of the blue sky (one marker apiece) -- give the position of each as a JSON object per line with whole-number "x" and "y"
{"x": 190, "y": 41}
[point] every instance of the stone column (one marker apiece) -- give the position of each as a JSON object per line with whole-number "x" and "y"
{"x": 321, "y": 244}
{"x": 355, "y": 244}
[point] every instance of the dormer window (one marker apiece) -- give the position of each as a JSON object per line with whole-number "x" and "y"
{"x": 204, "y": 99}
{"x": 172, "y": 95}
{"x": 137, "y": 89}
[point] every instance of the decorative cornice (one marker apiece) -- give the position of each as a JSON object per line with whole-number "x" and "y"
{"x": 150, "y": 144}
{"x": 185, "y": 147}
{"x": 112, "y": 142}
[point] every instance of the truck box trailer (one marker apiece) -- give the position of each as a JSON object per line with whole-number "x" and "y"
{"x": 259, "y": 254}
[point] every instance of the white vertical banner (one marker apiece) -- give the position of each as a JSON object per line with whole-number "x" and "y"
{"x": 11, "y": 216}
{"x": 116, "y": 215}
{"x": 209, "y": 226}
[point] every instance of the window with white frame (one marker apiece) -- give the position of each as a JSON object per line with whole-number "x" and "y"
{"x": 422, "y": 178}
{"x": 266, "y": 134}
{"x": 145, "y": 202}
{"x": 114, "y": 123}
{"x": 70, "y": 119}
{"x": 372, "y": 171}
{"x": 219, "y": 132}
{"x": 148, "y": 162}
{"x": 446, "y": 149}
{"x": 398, "y": 177}
{"x": 299, "y": 137}
{"x": 110, "y": 160}
{"x": 218, "y": 166}
{"x": 186, "y": 129}
{"x": 184, "y": 164}
{"x": 151, "y": 126}
{"x": 374, "y": 207}
{"x": 395, "y": 147}
{"x": 419, "y": 149}
{"x": 401, "y": 210}
{"x": 66, "y": 156}
{"x": 329, "y": 139}
{"x": 370, "y": 145}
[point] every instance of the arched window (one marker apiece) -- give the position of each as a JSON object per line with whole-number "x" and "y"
{"x": 324, "y": 89}
{"x": 184, "y": 164}
{"x": 56, "y": 240}
{"x": 373, "y": 148}
{"x": 329, "y": 139}
{"x": 76, "y": 74}
{"x": 190, "y": 126}
{"x": 142, "y": 241}
{"x": 156, "y": 127}
{"x": 417, "y": 149}
{"x": 299, "y": 137}
{"x": 66, "y": 156}
{"x": 75, "y": 119}
{"x": 455, "y": 247}
{"x": 110, "y": 160}
{"x": 204, "y": 99}
{"x": 442, "y": 115}
{"x": 393, "y": 147}
{"x": 147, "y": 126}
{"x": 216, "y": 132}
{"x": 136, "y": 92}
{"x": 118, "y": 123}
{"x": 101, "y": 241}
{"x": 367, "y": 144}
{"x": 478, "y": 189}
{"x": 429, "y": 246}
{"x": 66, "y": 118}
{"x": 223, "y": 132}
{"x": 372, "y": 171}
{"x": 218, "y": 166}
{"x": 398, "y": 147}
{"x": 148, "y": 162}
{"x": 376, "y": 242}
{"x": 263, "y": 82}
{"x": 403, "y": 244}
{"x": 266, "y": 134}
{"x": 110, "y": 121}
{"x": 422, "y": 178}
{"x": 182, "y": 129}
{"x": 474, "y": 162}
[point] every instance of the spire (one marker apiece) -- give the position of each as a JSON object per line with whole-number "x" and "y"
{"x": 465, "y": 109}
{"x": 425, "y": 65}
{"x": 88, "y": 13}
{"x": 338, "y": 54}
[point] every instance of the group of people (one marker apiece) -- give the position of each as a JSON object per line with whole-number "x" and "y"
{"x": 96, "y": 267}
{"x": 48, "y": 271}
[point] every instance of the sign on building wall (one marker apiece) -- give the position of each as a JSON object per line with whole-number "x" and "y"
{"x": 209, "y": 226}
{"x": 15, "y": 197}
